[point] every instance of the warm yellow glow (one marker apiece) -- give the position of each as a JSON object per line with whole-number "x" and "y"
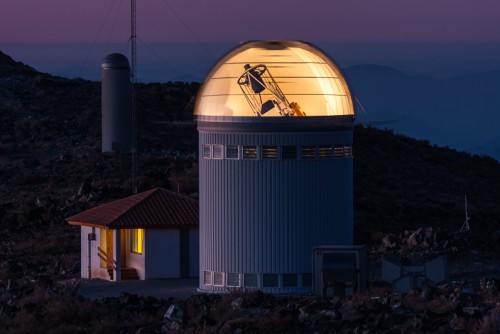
{"x": 304, "y": 74}
{"x": 137, "y": 240}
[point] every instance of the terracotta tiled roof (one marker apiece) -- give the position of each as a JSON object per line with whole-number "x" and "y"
{"x": 153, "y": 208}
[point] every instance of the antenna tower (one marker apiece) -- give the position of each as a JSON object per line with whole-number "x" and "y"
{"x": 465, "y": 225}
{"x": 133, "y": 39}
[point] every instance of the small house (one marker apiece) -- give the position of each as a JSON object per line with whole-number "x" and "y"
{"x": 153, "y": 234}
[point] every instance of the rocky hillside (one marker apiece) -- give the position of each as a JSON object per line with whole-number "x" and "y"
{"x": 51, "y": 167}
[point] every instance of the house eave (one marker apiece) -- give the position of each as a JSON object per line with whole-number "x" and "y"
{"x": 170, "y": 226}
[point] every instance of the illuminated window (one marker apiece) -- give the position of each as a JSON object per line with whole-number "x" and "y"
{"x": 136, "y": 240}
{"x": 232, "y": 152}
{"x": 308, "y": 152}
{"x": 249, "y": 152}
{"x": 270, "y": 152}
{"x": 217, "y": 151}
{"x": 288, "y": 152}
{"x": 207, "y": 151}
{"x": 325, "y": 152}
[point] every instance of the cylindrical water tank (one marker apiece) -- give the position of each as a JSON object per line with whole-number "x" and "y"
{"x": 116, "y": 104}
{"x": 272, "y": 186}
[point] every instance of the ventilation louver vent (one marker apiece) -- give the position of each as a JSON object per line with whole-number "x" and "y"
{"x": 233, "y": 279}
{"x": 250, "y": 280}
{"x": 218, "y": 278}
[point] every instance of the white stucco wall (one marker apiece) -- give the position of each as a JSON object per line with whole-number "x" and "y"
{"x": 96, "y": 270}
{"x": 161, "y": 248}
{"x": 160, "y": 257}
{"x": 194, "y": 252}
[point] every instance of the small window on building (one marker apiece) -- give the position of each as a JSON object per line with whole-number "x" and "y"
{"x": 207, "y": 277}
{"x": 136, "y": 240}
{"x": 270, "y": 152}
{"x": 233, "y": 279}
{"x": 207, "y": 151}
{"x": 270, "y": 280}
{"x": 308, "y": 152}
{"x": 338, "y": 151}
{"x": 250, "y": 280}
{"x": 325, "y": 152}
{"x": 218, "y": 278}
{"x": 289, "y": 152}
{"x": 249, "y": 152}
{"x": 232, "y": 152}
{"x": 347, "y": 151}
{"x": 307, "y": 279}
{"x": 217, "y": 151}
{"x": 290, "y": 280}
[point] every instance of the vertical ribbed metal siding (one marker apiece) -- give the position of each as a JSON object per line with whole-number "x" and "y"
{"x": 265, "y": 216}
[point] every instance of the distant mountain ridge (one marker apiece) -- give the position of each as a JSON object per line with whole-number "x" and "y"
{"x": 461, "y": 112}
{"x": 9, "y": 66}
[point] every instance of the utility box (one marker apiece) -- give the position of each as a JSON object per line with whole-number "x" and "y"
{"x": 341, "y": 269}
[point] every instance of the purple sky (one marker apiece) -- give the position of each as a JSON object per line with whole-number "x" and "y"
{"x": 233, "y": 20}
{"x": 177, "y": 37}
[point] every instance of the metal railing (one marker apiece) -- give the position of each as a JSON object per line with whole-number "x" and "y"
{"x": 108, "y": 259}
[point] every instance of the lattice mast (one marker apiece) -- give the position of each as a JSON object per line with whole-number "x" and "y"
{"x": 133, "y": 40}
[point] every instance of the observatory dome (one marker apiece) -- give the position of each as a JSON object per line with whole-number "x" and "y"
{"x": 115, "y": 60}
{"x": 275, "y": 78}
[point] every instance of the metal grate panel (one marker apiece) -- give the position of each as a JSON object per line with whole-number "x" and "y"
{"x": 232, "y": 152}
{"x": 270, "y": 280}
{"x": 249, "y": 152}
{"x": 347, "y": 151}
{"x": 338, "y": 151}
{"x": 233, "y": 279}
{"x": 308, "y": 152}
{"x": 290, "y": 280}
{"x": 306, "y": 279}
{"x": 325, "y": 152}
{"x": 250, "y": 280}
{"x": 207, "y": 151}
{"x": 217, "y": 151}
{"x": 207, "y": 277}
{"x": 270, "y": 152}
{"x": 218, "y": 278}
{"x": 288, "y": 152}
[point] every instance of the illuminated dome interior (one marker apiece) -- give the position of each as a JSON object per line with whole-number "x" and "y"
{"x": 275, "y": 78}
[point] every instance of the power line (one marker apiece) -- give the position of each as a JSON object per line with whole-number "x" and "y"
{"x": 188, "y": 29}
{"x": 164, "y": 62}
{"x": 114, "y": 23}
{"x": 95, "y": 38}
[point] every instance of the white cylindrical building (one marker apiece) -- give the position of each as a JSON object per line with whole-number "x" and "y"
{"x": 116, "y": 104}
{"x": 275, "y": 122}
